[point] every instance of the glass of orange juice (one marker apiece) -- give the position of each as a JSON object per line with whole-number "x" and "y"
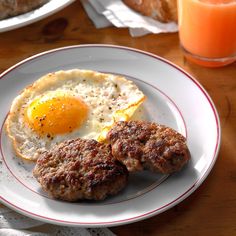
{"x": 207, "y": 31}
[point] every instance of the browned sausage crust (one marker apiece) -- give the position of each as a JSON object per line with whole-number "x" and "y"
{"x": 80, "y": 169}
{"x": 146, "y": 145}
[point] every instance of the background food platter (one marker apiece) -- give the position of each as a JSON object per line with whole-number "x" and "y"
{"x": 25, "y": 19}
{"x": 174, "y": 98}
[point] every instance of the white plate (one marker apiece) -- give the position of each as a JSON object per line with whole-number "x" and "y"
{"x": 174, "y": 99}
{"x": 47, "y": 9}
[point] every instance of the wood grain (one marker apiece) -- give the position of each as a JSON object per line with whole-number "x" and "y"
{"x": 210, "y": 210}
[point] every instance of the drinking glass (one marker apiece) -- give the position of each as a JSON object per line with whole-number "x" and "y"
{"x": 207, "y": 31}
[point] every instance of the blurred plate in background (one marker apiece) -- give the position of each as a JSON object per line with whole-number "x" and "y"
{"x": 47, "y": 9}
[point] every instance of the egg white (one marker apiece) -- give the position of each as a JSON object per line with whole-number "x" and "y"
{"x": 109, "y": 97}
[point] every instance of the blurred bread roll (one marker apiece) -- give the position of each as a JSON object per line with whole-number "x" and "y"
{"x": 9, "y": 8}
{"x": 161, "y": 10}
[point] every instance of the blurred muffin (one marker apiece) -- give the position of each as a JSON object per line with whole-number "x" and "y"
{"x": 161, "y": 10}
{"x": 9, "y": 8}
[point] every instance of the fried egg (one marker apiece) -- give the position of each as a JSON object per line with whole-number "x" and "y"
{"x": 66, "y": 105}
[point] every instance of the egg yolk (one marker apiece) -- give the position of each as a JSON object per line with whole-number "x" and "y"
{"x": 56, "y": 115}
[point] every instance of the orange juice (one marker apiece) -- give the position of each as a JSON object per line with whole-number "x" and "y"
{"x": 207, "y": 30}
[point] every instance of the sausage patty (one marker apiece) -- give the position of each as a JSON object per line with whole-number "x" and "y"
{"x": 80, "y": 169}
{"x": 146, "y": 145}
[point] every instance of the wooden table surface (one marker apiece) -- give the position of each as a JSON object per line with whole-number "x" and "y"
{"x": 211, "y": 209}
